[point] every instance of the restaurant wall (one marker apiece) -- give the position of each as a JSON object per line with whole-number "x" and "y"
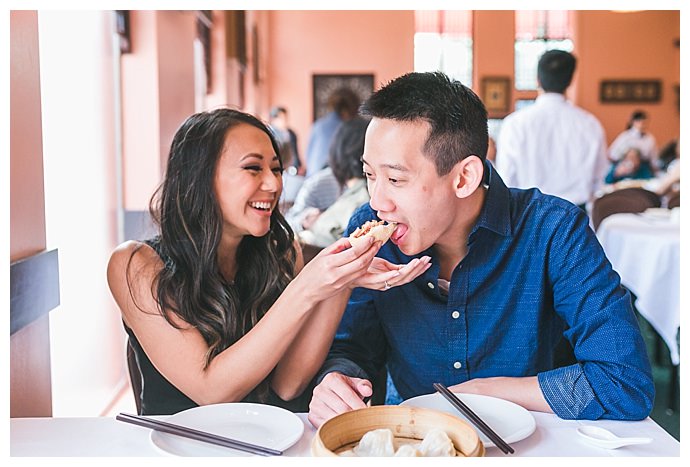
{"x": 307, "y": 42}
{"x": 30, "y": 376}
{"x": 158, "y": 94}
{"x": 631, "y": 45}
{"x": 302, "y": 43}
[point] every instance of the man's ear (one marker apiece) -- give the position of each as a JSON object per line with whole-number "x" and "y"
{"x": 467, "y": 176}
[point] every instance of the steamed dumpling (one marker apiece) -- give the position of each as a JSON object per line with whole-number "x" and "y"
{"x": 408, "y": 450}
{"x": 376, "y": 443}
{"x": 436, "y": 443}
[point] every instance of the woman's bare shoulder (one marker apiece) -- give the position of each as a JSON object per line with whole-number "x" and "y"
{"x": 133, "y": 266}
{"x": 133, "y": 253}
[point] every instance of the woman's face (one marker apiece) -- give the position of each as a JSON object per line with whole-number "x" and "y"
{"x": 640, "y": 125}
{"x": 248, "y": 182}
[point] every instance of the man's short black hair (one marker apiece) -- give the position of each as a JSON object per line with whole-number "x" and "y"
{"x": 555, "y": 70}
{"x": 456, "y": 114}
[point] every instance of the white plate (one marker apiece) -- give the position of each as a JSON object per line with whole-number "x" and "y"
{"x": 510, "y": 421}
{"x": 260, "y": 424}
{"x": 661, "y": 213}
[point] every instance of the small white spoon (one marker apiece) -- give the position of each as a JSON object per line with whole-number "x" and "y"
{"x": 603, "y": 438}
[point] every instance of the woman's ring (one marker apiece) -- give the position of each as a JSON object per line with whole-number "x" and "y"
{"x": 385, "y": 285}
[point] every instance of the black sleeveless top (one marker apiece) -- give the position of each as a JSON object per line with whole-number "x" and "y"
{"x": 160, "y": 397}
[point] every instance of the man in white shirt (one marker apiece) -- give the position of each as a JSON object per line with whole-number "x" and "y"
{"x": 553, "y": 144}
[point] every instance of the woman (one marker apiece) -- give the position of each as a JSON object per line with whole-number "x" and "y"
{"x": 636, "y": 137}
{"x": 217, "y": 307}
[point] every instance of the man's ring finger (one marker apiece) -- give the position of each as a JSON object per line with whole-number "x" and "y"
{"x": 386, "y": 286}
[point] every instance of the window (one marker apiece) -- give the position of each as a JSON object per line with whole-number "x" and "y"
{"x": 522, "y": 103}
{"x": 443, "y": 41}
{"x": 535, "y": 33}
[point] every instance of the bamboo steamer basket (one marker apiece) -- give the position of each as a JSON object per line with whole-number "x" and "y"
{"x": 408, "y": 424}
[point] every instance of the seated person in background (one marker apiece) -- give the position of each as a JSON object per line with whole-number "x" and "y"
{"x": 513, "y": 272}
{"x": 316, "y": 194}
{"x": 636, "y": 136}
{"x": 631, "y": 167}
{"x": 218, "y": 307}
{"x": 345, "y": 159}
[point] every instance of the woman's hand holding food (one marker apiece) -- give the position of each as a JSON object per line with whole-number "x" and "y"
{"x": 336, "y": 267}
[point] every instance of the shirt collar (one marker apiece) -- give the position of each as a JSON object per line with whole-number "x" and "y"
{"x": 550, "y": 97}
{"x": 495, "y": 213}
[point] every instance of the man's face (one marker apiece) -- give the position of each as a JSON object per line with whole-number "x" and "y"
{"x": 404, "y": 186}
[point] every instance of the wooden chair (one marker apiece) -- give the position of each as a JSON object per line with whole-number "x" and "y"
{"x": 674, "y": 200}
{"x": 309, "y": 251}
{"x": 134, "y": 375}
{"x": 625, "y": 200}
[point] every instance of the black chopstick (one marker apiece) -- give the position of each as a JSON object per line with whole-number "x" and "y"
{"x": 198, "y": 435}
{"x": 474, "y": 418}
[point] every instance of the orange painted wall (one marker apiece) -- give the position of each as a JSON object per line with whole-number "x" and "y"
{"x": 293, "y": 45}
{"x": 307, "y": 42}
{"x": 635, "y": 45}
{"x": 493, "y": 37}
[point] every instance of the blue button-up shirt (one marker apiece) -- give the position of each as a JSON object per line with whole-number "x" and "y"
{"x": 534, "y": 272}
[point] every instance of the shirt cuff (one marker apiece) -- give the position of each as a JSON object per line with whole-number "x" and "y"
{"x": 341, "y": 365}
{"x": 569, "y": 394}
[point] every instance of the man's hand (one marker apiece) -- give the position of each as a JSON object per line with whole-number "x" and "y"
{"x": 337, "y": 394}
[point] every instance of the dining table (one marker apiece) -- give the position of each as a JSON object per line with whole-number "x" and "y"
{"x": 644, "y": 249}
{"x": 108, "y": 437}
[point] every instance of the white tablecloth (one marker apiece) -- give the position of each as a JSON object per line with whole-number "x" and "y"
{"x": 645, "y": 250}
{"x": 105, "y": 436}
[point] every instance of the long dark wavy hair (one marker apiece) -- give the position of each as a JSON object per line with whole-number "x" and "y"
{"x": 190, "y": 222}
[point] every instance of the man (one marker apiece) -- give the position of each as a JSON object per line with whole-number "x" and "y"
{"x": 342, "y": 105}
{"x": 287, "y": 138}
{"x": 553, "y": 145}
{"x": 513, "y": 271}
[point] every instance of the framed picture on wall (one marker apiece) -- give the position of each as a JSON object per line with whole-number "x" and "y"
{"x": 324, "y": 85}
{"x": 496, "y": 95}
{"x": 630, "y": 91}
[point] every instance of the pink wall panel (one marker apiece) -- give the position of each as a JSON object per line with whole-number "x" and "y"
{"x": 307, "y": 42}
{"x": 27, "y": 205}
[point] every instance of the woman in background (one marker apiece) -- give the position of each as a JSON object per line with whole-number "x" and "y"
{"x": 345, "y": 159}
{"x": 636, "y": 136}
{"x": 217, "y": 307}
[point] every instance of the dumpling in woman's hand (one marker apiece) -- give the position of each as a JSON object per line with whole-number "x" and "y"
{"x": 376, "y": 443}
{"x": 436, "y": 443}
